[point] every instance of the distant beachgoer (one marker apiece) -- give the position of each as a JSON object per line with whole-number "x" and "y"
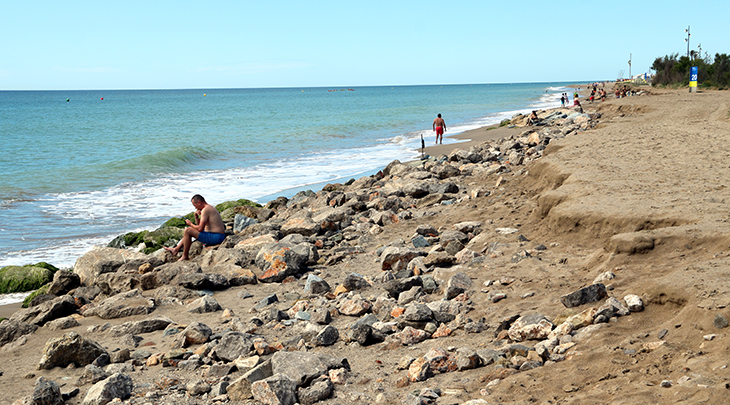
{"x": 209, "y": 228}
{"x": 577, "y": 106}
{"x": 562, "y": 101}
{"x": 532, "y": 119}
{"x": 439, "y": 126}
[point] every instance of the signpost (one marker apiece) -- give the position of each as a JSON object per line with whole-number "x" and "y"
{"x": 693, "y": 79}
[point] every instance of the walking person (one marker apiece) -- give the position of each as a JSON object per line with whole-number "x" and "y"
{"x": 439, "y": 126}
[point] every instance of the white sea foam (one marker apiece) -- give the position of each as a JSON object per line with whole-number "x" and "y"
{"x": 13, "y": 298}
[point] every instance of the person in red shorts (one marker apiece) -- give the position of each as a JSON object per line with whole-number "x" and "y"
{"x": 439, "y": 126}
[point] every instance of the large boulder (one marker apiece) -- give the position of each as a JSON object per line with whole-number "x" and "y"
{"x": 109, "y": 260}
{"x": 46, "y": 311}
{"x": 24, "y": 278}
{"x": 121, "y": 305}
{"x": 280, "y": 261}
{"x": 67, "y": 349}
{"x": 63, "y": 282}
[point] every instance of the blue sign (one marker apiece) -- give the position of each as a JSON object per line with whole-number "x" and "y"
{"x": 693, "y": 76}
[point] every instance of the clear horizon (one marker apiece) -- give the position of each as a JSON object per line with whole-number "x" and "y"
{"x": 314, "y": 87}
{"x": 188, "y": 45}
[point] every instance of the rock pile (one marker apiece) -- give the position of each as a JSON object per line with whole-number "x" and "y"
{"x": 417, "y": 289}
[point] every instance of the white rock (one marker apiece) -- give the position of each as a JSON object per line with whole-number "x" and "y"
{"x": 634, "y": 303}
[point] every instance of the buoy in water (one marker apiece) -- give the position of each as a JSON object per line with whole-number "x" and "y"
{"x": 68, "y": 99}
{"x": 203, "y": 94}
{"x": 102, "y": 98}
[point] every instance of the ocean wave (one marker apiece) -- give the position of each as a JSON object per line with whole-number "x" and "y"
{"x": 167, "y": 160}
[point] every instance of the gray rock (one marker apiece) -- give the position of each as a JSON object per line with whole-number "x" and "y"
{"x": 91, "y": 375}
{"x": 592, "y": 293}
{"x": 418, "y": 312}
{"x": 467, "y": 359}
{"x": 45, "y": 312}
{"x": 109, "y": 260}
{"x": 468, "y": 227}
{"x": 268, "y": 300}
{"x": 203, "y": 305}
{"x": 392, "y": 255}
{"x": 321, "y": 316}
{"x": 303, "y": 367}
{"x": 197, "y": 387}
{"x": 219, "y": 389}
{"x": 194, "y": 334}
{"x": 120, "y": 356}
{"x": 456, "y": 285}
{"x": 426, "y": 230}
{"x": 720, "y": 322}
{"x": 137, "y": 327}
{"x": 11, "y": 330}
{"x": 419, "y": 241}
{"x": 232, "y": 345}
{"x": 121, "y": 305}
{"x": 443, "y": 188}
{"x": 203, "y": 281}
{"x": 489, "y": 356}
{"x": 354, "y": 282}
{"x": 612, "y": 307}
{"x": 69, "y": 348}
{"x": 281, "y": 260}
{"x": 395, "y": 287}
{"x": 241, "y": 222}
{"x": 219, "y": 370}
{"x": 439, "y": 259}
{"x": 316, "y": 285}
{"x": 327, "y": 337}
{"x": 62, "y": 323}
{"x": 63, "y": 282}
{"x": 275, "y": 390}
{"x": 116, "y": 386}
{"x": 320, "y": 389}
{"x": 416, "y": 189}
{"x": 409, "y": 296}
{"x": 46, "y": 392}
{"x": 240, "y": 389}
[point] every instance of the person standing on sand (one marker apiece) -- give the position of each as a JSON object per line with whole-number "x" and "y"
{"x": 209, "y": 229}
{"x": 439, "y": 126}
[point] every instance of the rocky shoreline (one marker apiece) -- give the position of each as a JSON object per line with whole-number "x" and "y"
{"x": 437, "y": 281}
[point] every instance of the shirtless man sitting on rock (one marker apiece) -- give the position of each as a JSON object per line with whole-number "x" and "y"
{"x": 209, "y": 230}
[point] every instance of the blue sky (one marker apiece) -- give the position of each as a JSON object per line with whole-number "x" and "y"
{"x": 48, "y": 45}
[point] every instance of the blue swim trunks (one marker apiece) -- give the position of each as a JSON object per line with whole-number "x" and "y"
{"x": 211, "y": 238}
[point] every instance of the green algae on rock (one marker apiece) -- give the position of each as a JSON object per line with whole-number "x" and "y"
{"x": 25, "y": 278}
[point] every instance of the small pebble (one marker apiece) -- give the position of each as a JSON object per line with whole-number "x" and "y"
{"x": 666, "y": 383}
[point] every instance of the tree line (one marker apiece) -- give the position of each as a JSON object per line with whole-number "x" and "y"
{"x": 674, "y": 70}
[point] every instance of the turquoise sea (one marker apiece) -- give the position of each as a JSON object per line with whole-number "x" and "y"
{"x": 81, "y": 167}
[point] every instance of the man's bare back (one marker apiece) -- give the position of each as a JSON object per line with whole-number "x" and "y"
{"x": 439, "y": 126}
{"x": 212, "y": 219}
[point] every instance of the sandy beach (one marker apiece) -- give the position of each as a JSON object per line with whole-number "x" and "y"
{"x": 643, "y": 196}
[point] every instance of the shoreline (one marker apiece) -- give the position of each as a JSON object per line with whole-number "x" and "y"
{"x": 464, "y": 140}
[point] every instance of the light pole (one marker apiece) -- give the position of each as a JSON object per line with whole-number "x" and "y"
{"x": 687, "y": 40}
